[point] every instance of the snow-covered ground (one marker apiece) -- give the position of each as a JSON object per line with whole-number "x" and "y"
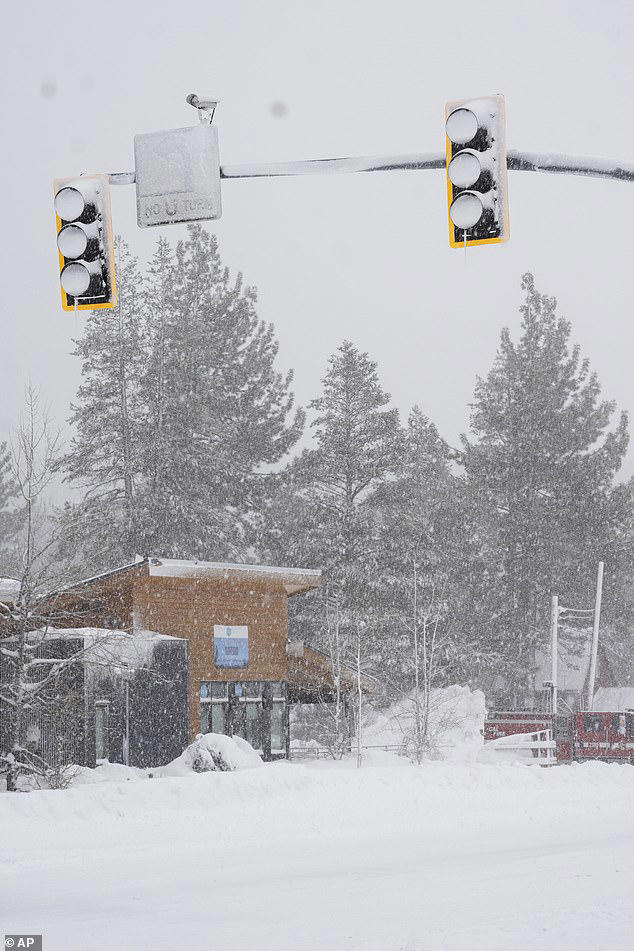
{"x": 440, "y": 856}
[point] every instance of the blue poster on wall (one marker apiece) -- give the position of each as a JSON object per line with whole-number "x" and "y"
{"x": 231, "y": 645}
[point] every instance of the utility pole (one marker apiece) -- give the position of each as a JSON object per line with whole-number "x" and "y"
{"x": 595, "y": 635}
{"x": 554, "y": 621}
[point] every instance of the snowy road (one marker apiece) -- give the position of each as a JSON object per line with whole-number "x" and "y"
{"x": 441, "y": 857}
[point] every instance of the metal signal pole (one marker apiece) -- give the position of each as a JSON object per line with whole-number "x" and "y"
{"x": 554, "y": 622}
{"x": 516, "y": 161}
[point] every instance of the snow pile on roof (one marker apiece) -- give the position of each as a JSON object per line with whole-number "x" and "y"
{"x": 456, "y": 724}
{"x": 107, "y": 647}
{"x": 178, "y": 567}
{"x": 294, "y": 580}
{"x": 615, "y": 699}
{"x": 212, "y": 752}
{"x": 121, "y": 649}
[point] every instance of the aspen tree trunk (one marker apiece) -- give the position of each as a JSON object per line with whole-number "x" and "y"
{"x": 359, "y": 697}
{"x": 419, "y": 749}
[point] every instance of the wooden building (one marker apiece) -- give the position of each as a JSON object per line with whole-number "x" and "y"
{"x": 235, "y": 619}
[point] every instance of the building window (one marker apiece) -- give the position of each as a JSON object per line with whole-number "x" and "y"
{"x": 618, "y": 724}
{"x": 214, "y": 703}
{"x": 592, "y": 724}
{"x": 253, "y": 709}
{"x": 278, "y": 733}
{"x": 101, "y": 729}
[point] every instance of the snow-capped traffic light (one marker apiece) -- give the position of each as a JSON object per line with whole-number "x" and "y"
{"x": 477, "y": 189}
{"x": 84, "y": 241}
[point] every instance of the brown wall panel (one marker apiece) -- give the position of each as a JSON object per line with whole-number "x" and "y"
{"x": 189, "y": 607}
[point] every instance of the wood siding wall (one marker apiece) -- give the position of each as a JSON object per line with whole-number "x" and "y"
{"x": 189, "y": 607}
{"x": 106, "y": 602}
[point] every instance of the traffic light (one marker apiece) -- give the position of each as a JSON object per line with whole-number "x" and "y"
{"x": 84, "y": 241}
{"x": 477, "y": 189}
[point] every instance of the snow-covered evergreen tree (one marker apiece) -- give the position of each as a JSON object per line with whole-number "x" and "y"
{"x": 227, "y": 413}
{"x": 321, "y": 516}
{"x": 540, "y": 465}
{"x": 424, "y": 550}
{"x": 181, "y": 412}
{"x": 357, "y": 436}
{"x": 9, "y": 512}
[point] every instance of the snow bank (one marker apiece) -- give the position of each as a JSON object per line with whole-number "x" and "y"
{"x": 210, "y": 752}
{"x": 105, "y": 773}
{"x": 456, "y": 724}
{"x": 517, "y": 748}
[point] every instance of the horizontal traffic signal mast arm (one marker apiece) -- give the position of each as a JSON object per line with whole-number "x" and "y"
{"x": 570, "y": 165}
{"x": 516, "y": 161}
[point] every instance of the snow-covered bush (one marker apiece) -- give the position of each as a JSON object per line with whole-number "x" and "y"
{"x": 212, "y": 752}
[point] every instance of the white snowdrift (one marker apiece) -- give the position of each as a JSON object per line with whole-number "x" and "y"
{"x": 456, "y": 723}
{"x": 519, "y": 748}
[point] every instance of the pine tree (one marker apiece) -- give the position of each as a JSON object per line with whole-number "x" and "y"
{"x": 424, "y": 550}
{"x": 10, "y": 515}
{"x": 540, "y": 468}
{"x": 221, "y": 413}
{"x": 181, "y": 411}
{"x": 358, "y": 438}
{"x": 322, "y": 516}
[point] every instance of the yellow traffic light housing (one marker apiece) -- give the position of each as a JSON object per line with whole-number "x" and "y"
{"x": 477, "y": 187}
{"x": 84, "y": 242}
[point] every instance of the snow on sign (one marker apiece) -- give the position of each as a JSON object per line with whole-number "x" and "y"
{"x": 177, "y": 176}
{"x": 231, "y": 645}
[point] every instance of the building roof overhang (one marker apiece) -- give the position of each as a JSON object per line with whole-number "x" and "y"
{"x": 293, "y": 580}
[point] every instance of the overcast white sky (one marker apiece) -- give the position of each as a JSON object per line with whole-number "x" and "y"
{"x": 359, "y": 256}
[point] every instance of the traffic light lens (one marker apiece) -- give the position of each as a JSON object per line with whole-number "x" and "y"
{"x": 75, "y": 279}
{"x": 466, "y": 210}
{"x": 72, "y": 241}
{"x": 461, "y": 126}
{"x": 464, "y": 169}
{"x": 69, "y": 204}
